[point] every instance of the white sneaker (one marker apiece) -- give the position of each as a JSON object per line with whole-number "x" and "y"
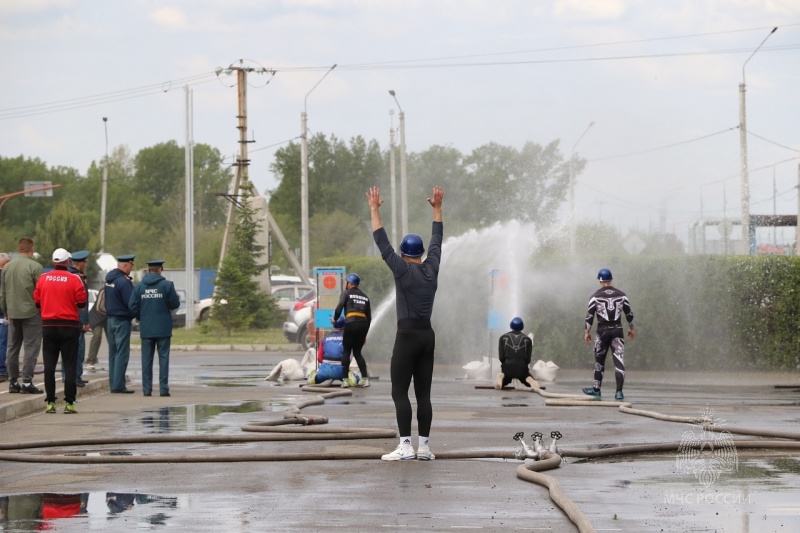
{"x": 498, "y": 383}
{"x": 364, "y": 382}
{"x": 424, "y": 454}
{"x": 403, "y": 452}
{"x": 92, "y": 367}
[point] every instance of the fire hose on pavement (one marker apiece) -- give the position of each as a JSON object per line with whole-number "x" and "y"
{"x": 297, "y": 427}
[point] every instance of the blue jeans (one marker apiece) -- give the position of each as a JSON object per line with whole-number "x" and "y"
{"x": 118, "y": 334}
{"x": 148, "y": 354}
{"x": 3, "y": 347}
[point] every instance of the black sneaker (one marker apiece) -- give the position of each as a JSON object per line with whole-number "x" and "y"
{"x": 13, "y": 388}
{"x": 30, "y": 388}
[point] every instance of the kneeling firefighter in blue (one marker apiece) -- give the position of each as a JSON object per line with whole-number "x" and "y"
{"x": 329, "y": 355}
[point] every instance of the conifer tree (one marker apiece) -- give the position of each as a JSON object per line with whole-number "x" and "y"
{"x": 238, "y": 301}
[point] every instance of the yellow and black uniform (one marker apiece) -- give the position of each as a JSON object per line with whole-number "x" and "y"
{"x": 358, "y": 316}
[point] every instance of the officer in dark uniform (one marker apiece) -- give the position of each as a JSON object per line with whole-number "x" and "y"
{"x": 358, "y": 317}
{"x": 78, "y": 267}
{"x": 515, "y": 350}
{"x": 118, "y": 289}
{"x": 608, "y": 304}
{"x": 152, "y": 302}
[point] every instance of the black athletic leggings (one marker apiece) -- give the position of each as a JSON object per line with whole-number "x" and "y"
{"x": 603, "y": 340}
{"x": 412, "y": 358}
{"x": 355, "y": 333}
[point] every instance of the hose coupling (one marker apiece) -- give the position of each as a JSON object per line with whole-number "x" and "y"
{"x": 555, "y": 435}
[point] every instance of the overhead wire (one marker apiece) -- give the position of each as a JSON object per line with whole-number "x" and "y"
{"x": 104, "y": 98}
{"x": 440, "y": 62}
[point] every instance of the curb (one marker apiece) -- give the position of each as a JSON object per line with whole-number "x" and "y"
{"x": 30, "y": 404}
{"x": 228, "y": 348}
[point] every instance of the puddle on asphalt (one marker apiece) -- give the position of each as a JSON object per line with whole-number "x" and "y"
{"x": 201, "y": 418}
{"x": 246, "y": 380}
{"x": 743, "y": 508}
{"x": 227, "y": 365}
{"x": 33, "y": 512}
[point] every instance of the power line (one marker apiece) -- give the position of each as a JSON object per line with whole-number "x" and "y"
{"x": 104, "y": 98}
{"x": 443, "y": 62}
{"x": 550, "y": 49}
{"x": 662, "y": 147}
{"x": 772, "y": 142}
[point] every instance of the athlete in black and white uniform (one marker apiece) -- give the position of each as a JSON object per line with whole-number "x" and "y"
{"x": 608, "y": 304}
{"x": 514, "y": 351}
{"x": 415, "y": 284}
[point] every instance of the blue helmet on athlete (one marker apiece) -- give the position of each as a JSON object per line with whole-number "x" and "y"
{"x": 412, "y": 245}
{"x": 353, "y": 279}
{"x": 516, "y": 324}
{"x": 604, "y": 275}
{"x": 339, "y": 324}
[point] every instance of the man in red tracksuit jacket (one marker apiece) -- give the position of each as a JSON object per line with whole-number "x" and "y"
{"x": 58, "y": 295}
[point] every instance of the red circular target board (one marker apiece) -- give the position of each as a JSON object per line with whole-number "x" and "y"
{"x": 329, "y": 281}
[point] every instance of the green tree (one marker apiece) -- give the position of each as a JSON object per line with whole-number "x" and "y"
{"x": 527, "y": 185}
{"x": 64, "y": 227}
{"x": 20, "y": 214}
{"x": 238, "y": 301}
{"x": 338, "y": 175}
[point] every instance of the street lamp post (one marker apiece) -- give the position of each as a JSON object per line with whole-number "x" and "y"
{"x": 304, "y": 178}
{"x": 392, "y": 177}
{"x": 403, "y": 167}
{"x": 748, "y": 233}
{"x": 572, "y": 191}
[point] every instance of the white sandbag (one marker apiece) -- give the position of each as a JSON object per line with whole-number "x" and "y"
{"x": 545, "y": 371}
{"x": 478, "y": 370}
{"x": 289, "y": 370}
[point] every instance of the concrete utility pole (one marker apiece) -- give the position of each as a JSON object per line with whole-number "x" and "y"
{"x": 797, "y": 224}
{"x": 189, "y": 218}
{"x": 243, "y": 160}
{"x": 304, "y": 179}
{"x": 104, "y": 194}
{"x": 748, "y": 233}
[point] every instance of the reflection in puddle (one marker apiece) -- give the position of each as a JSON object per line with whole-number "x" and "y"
{"x": 245, "y": 380}
{"x": 203, "y": 418}
{"x": 32, "y": 512}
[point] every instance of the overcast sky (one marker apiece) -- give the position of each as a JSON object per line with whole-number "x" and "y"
{"x": 658, "y": 80}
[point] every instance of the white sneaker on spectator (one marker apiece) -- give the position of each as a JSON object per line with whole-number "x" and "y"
{"x": 403, "y": 452}
{"x": 424, "y": 454}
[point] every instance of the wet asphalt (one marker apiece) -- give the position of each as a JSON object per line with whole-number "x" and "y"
{"x": 217, "y": 392}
